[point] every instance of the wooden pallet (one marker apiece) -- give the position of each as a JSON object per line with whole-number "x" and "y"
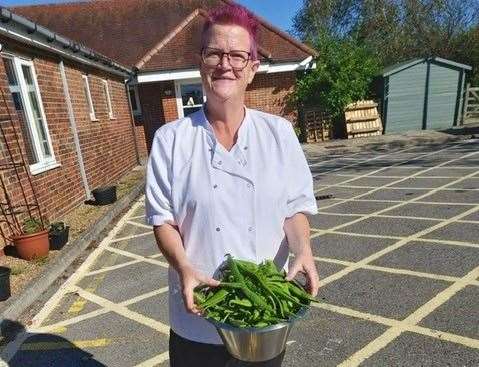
{"x": 362, "y": 119}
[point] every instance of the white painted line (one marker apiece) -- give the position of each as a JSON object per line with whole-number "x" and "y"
{"x": 155, "y": 361}
{"x": 124, "y": 311}
{"x": 137, "y": 257}
{"x": 11, "y": 348}
{"x": 419, "y": 274}
{"x": 132, "y": 236}
{"x": 391, "y": 334}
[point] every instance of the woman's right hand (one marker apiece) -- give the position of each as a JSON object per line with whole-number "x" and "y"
{"x": 190, "y": 279}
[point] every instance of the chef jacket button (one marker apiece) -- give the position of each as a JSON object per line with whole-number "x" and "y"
{"x": 245, "y": 148}
{"x": 215, "y": 186}
{"x": 220, "y": 163}
{"x": 250, "y": 229}
{"x": 218, "y": 229}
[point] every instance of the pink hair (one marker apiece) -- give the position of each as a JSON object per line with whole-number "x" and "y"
{"x": 236, "y": 15}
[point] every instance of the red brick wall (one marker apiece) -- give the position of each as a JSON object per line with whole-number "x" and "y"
{"x": 268, "y": 92}
{"x": 158, "y": 106}
{"x": 107, "y": 145}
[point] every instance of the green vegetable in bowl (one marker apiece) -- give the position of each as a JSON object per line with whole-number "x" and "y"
{"x": 252, "y": 295}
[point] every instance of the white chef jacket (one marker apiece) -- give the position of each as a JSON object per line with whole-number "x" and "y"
{"x": 225, "y": 201}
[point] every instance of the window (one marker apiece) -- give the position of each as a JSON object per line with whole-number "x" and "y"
{"x": 189, "y": 96}
{"x": 23, "y": 86}
{"x": 106, "y": 91}
{"x": 86, "y": 89}
{"x": 135, "y": 100}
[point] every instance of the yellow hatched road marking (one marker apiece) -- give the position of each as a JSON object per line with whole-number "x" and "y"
{"x": 155, "y": 361}
{"x": 388, "y": 336}
{"x": 43, "y": 346}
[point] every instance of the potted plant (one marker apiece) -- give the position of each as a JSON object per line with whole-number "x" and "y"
{"x": 104, "y": 195}
{"x": 58, "y": 235}
{"x": 33, "y": 242}
{"x": 4, "y": 283}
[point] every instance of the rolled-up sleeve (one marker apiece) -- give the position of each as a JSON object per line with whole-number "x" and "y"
{"x": 158, "y": 202}
{"x": 300, "y": 181}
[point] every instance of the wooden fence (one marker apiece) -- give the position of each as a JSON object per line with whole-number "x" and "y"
{"x": 471, "y": 105}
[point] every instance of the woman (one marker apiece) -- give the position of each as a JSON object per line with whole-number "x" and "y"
{"x": 226, "y": 179}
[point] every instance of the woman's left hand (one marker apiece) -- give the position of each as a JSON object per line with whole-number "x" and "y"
{"x": 304, "y": 263}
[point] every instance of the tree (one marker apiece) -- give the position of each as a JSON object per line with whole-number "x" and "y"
{"x": 343, "y": 74}
{"x": 396, "y": 30}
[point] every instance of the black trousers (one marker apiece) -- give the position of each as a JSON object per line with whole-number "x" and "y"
{"x": 187, "y": 353}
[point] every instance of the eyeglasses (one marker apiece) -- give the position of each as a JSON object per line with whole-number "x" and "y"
{"x": 212, "y": 57}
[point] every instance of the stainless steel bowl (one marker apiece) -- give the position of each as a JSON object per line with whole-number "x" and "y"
{"x": 256, "y": 344}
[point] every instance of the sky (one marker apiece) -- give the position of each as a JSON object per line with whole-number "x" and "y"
{"x": 277, "y": 12}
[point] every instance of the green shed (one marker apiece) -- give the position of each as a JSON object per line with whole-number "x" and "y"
{"x": 423, "y": 93}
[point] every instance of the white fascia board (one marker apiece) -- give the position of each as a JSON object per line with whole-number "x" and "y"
{"x": 33, "y": 39}
{"x": 151, "y": 77}
{"x": 168, "y": 75}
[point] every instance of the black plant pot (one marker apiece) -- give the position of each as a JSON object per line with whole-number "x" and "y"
{"x": 59, "y": 239}
{"x": 4, "y": 283}
{"x": 104, "y": 195}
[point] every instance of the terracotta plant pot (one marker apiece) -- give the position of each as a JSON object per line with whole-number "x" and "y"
{"x": 32, "y": 246}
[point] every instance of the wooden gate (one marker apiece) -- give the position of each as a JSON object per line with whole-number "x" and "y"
{"x": 471, "y": 105}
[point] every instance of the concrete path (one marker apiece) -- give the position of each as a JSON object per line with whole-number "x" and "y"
{"x": 396, "y": 243}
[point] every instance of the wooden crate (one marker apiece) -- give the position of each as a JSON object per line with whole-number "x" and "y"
{"x": 362, "y": 119}
{"x": 318, "y": 126}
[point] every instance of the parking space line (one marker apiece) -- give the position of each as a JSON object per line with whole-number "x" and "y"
{"x": 45, "y": 346}
{"x": 137, "y": 257}
{"x": 360, "y": 160}
{"x": 393, "y": 247}
{"x": 396, "y": 165}
{"x": 437, "y": 334}
{"x": 430, "y": 192}
{"x": 320, "y": 232}
{"x": 12, "y": 347}
{"x": 124, "y": 311}
{"x": 400, "y": 271}
{"x": 89, "y": 315}
{"x": 141, "y": 225}
{"x": 340, "y": 185}
{"x": 155, "y": 361}
{"x": 393, "y": 332}
{"x": 119, "y": 239}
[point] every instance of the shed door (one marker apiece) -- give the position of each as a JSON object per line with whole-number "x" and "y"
{"x": 405, "y": 103}
{"x": 443, "y": 93}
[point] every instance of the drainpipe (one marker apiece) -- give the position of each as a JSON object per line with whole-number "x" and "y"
{"x": 74, "y": 130}
{"x": 132, "y": 119}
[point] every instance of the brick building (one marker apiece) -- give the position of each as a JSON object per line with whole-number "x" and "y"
{"x": 70, "y": 109}
{"x": 160, "y": 38}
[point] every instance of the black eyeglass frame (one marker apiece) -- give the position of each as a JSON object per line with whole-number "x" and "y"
{"x": 228, "y": 55}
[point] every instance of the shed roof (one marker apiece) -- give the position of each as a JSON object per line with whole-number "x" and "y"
{"x": 406, "y": 64}
{"x": 135, "y": 31}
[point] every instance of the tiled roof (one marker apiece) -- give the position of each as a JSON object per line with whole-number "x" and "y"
{"x": 151, "y": 34}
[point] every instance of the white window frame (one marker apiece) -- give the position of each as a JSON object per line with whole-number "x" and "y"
{"x": 109, "y": 105}
{"x": 134, "y": 89}
{"x": 44, "y": 163}
{"x": 179, "y": 100}
{"x": 89, "y": 101}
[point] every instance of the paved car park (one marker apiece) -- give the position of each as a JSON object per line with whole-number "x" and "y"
{"x": 396, "y": 243}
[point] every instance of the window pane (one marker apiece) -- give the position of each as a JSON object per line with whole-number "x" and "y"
{"x": 189, "y": 110}
{"x": 17, "y": 100}
{"x": 87, "y": 95}
{"x": 27, "y": 74}
{"x": 12, "y": 78}
{"x": 39, "y": 124}
{"x": 192, "y": 94}
{"x": 32, "y": 157}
